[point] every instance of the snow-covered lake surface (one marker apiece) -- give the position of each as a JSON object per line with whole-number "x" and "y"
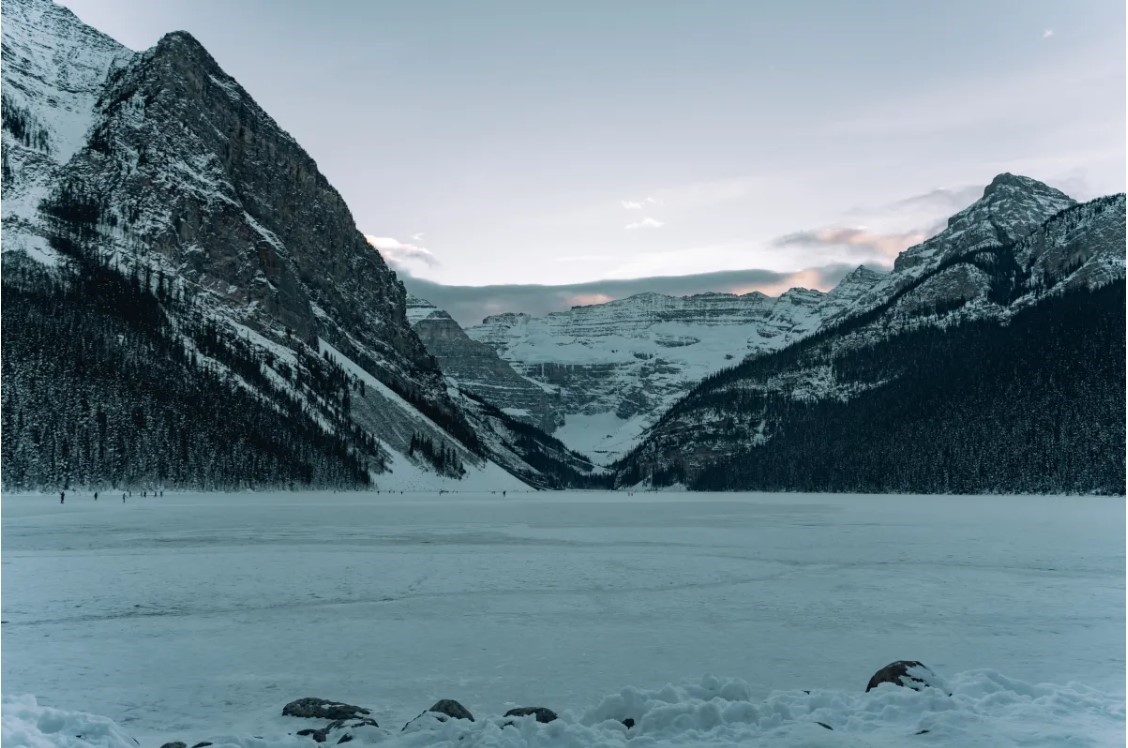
{"x": 197, "y": 616}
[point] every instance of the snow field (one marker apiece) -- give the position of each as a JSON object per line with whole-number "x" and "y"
{"x": 197, "y": 616}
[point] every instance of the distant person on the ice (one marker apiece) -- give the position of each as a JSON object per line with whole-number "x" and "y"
{"x": 95, "y": 495}
{"x": 62, "y": 497}
{"x": 123, "y": 498}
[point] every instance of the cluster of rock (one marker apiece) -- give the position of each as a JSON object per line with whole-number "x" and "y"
{"x": 344, "y": 717}
{"x": 347, "y": 716}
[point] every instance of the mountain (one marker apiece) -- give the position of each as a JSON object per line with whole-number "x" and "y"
{"x": 195, "y": 247}
{"x": 55, "y": 67}
{"x": 476, "y": 368}
{"x": 516, "y": 435}
{"x": 990, "y": 360}
{"x": 614, "y": 367}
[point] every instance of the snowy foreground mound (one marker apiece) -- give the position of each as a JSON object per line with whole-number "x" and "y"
{"x": 985, "y": 708}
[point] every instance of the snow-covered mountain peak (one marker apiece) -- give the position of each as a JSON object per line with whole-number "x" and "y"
{"x": 1012, "y": 205}
{"x": 54, "y": 67}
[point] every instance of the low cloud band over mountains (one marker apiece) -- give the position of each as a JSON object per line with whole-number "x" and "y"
{"x": 469, "y": 304}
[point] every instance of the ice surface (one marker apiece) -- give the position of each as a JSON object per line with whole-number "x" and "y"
{"x": 195, "y": 617}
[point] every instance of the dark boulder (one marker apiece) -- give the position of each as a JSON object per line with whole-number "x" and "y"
{"x": 344, "y": 724}
{"x": 543, "y": 714}
{"x": 314, "y": 708}
{"x": 443, "y": 710}
{"x": 907, "y": 673}
{"x": 318, "y": 736}
{"x": 175, "y": 744}
{"x": 629, "y": 722}
{"x": 203, "y": 744}
{"x": 452, "y": 709}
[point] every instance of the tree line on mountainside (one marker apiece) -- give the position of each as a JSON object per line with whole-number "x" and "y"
{"x": 101, "y": 389}
{"x": 1033, "y": 406}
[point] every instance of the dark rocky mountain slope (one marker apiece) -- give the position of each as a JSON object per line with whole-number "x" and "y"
{"x": 994, "y": 362}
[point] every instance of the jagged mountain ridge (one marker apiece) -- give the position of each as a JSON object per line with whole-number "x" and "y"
{"x": 616, "y": 366}
{"x": 752, "y": 421}
{"x": 1011, "y": 207}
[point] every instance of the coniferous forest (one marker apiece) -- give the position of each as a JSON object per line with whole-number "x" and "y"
{"x": 99, "y": 391}
{"x": 1036, "y": 406}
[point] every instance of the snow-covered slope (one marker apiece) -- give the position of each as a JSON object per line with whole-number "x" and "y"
{"x": 616, "y": 366}
{"x": 54, "y": 69}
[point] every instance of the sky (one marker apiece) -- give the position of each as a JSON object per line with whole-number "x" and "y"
{"x": 501, "y": 143}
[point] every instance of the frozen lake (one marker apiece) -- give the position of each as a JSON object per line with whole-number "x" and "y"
{"x": 181, "y": 614}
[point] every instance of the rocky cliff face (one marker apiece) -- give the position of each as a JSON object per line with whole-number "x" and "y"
{"x": 476, "y": 368}
{"x": 617, "y": 366}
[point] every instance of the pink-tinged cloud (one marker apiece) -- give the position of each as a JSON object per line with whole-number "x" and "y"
{"x": 587, "y": 299}
{"x": 813, "y": 278}
{"x": 887, "y": 246}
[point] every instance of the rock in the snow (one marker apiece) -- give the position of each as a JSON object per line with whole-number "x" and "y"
{"x": 314, "y": 708}
{"x": 629, "y": 722}
{"x": 340, "y": 724}
{"x": 202, "y": 744}
{"x": 443, "y": 710}
{"x": 452, "y": 709}
{"x": 542, "y": 714}
{"x": 175, "y": 744}
{"x": 317, "y": 735}
{"x": 908, "y": 673}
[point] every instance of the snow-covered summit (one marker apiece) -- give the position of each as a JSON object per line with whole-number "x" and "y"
{"x": 1011, "y": 207}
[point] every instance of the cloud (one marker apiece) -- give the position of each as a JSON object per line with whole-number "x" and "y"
{"x": 860, "y": 239}
{"x": 645, "y": 223}
{"x": 583, "y": 258}
{"x": 399, "y": 254}
{"x": 469, "y": 304}
{"x": 639, "y": 204}
{"x": 417, "y": 237}
{"x": 1047, "y": 33}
